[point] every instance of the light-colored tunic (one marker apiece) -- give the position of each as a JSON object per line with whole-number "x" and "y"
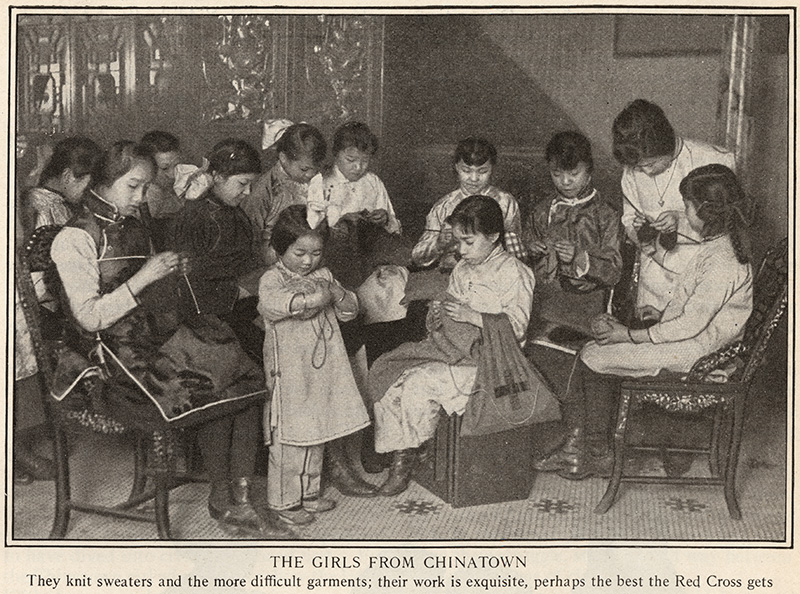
{"x": 341, "y": 196}
{"x": 711, "y": 304}
{"x": 42, "y": 207}
{"x": 47, "y": 207}
{"x": 406, "y": 416}
{"x": 272, "y": 192}
{"x": 314, "y": 395}
{"x": 427, "y": 250}
{"x": 654, "y": 195}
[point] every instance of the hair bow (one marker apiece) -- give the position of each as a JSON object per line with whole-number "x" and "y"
{"x": 272, "y": 132}
{"x": 192, "y": 181}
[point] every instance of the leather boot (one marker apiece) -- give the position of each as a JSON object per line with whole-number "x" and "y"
{"x": 600, "y": 395}
{"x": 38, "y": 467}
{"x": 593, "y": 461}
{"x": 341, "y": 474}
{"x": 229, "y": 504}
{"x": 254, "y": 491}
{"x": 564, "y": 457}
{"x": 372, "y": 461}
{"x": 399, "y": 473}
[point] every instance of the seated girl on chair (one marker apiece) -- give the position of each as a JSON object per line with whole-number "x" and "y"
{"x": 123, "y": 329}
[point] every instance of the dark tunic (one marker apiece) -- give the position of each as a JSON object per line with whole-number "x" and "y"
{"x": 219, "y": 241}
{"x": 147, "y": 357}
{"x": 562, "y": 295}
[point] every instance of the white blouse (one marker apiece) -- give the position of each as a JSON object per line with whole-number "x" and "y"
{"x": 342, "y": 196}
{"x": 654, "y": 195}
{"x": 75, "y": 255}
{"x": 499, "y": 284}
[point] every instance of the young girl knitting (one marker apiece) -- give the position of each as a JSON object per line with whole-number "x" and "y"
{"x": 411, "y": 384}
{"x": 58, "y": 198}
{"x": 655, "y": 161}
{"x": 349, "y": 190}
{"x": 572, "y": 237}
{"x": 365, "y": 230}
{"x": 314, "y": 395}
{"x": 709, "y": 307}
{"x": 62, "y": 184}
{"x": 215, "y": 233}
{"x": 162, "y": 200}
{"x": 474, "y": 161}
{"x": 301, "y": 150}
{"x": 154, "y": 370}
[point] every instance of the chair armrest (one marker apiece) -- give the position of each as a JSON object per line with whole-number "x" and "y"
{"x": 704, "y": 366}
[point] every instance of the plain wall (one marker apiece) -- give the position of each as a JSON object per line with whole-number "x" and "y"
{"x": 571, "y": 57}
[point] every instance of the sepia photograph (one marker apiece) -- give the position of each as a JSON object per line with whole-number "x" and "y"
{"x": 398, "y": 276}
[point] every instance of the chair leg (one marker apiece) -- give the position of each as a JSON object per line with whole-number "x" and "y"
{"x": 162, "y": 484}
{"x": 139, "y": 463}
{"x": 732, "y": 459}
{"x": 714, "y": 451}
{"x": 619, "y": 454}
{"x": 63, "y": 497}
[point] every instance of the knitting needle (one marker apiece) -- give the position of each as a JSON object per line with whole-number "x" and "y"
{"x": 123, "y": 258}
{"x": 652, "y": 220}
{"x": 191, "y": 291}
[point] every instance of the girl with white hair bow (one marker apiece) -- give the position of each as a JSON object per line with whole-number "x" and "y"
{"x": 301, "y": 150}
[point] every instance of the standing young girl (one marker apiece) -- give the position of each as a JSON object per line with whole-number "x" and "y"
{"x": 301, "y": 152}
{"x": 474, "y": 161}
{"x": 655, "y": 161}
{"x": 487, "y": 280}
{"x": 314, "y": 395}
{"x": 710, "y": 305}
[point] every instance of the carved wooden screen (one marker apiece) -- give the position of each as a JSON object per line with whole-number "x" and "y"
{"x": 44, "y": 75}
{"x": 335, "y": 70}
{"x": 321, "y": 69}
{"x": 205, "y": 76}
{"x": 161, "y": 54}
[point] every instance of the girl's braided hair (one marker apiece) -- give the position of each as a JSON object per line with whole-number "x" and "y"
{"x": 722, "y": 205}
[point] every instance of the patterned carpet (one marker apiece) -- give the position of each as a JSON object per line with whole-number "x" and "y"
{"x": 556, "y": 510}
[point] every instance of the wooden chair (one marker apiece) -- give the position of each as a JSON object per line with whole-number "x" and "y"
{"x": 156, "y": 451}
{"x": 696, "y": 393}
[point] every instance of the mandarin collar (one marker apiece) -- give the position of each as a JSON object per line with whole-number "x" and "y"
{"x": 282, "y": 267}
{"x": 490, "y": 191}
{"x": 493, "y": 255}
{"x": 102, "y": 208}
{"x": 585, "y": 196}
{"x": 338, "y": 177}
